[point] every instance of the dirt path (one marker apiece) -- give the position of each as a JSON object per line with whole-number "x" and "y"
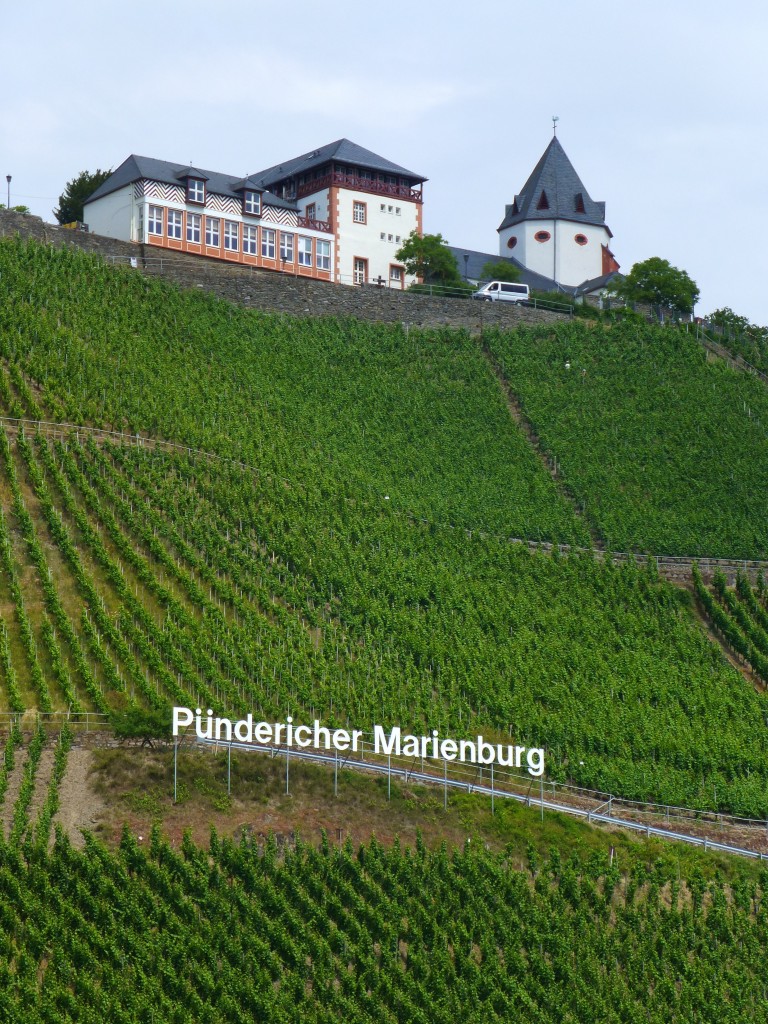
{"x": 80, "y": 806}
{"x": 515, "y": 411}
{"x": 42, "y": 782}
{"x": 12, "y": 793}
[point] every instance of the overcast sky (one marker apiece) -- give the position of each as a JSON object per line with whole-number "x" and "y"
{"x": 662, "y": 107}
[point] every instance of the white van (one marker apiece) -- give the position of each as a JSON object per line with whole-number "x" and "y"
{"x": 503, "y": 291}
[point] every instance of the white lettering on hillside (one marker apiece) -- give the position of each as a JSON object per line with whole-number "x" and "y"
{"x": 389, "y": 743}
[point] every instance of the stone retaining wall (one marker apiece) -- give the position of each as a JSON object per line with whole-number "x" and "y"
{"x": 278, "y": 292}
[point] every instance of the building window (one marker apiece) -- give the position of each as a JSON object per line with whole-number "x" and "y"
{"x": 174, "y": 223}
{"x": 252, "y": 203}
{"x": 286, "y": 247}
{"x": 579, "y": 203}
{"x": 323, "y": 255}
{"x": 383, "y": 207}
{"x": 305, "y": 251}
{"x": 250, "y": 240}
{"x": 542, "y": 236}
{"x": 390, "y": 238}
{"x": 360, "y": 213}
{"x": 212, "y": 232}
{"x": 397, "y": 239}
{"x": 196, "y": 191}
{"x": 512, "y": 242}
{"x": 396, "y": 276}
{"x": 580, "y": 239}
{"x": 397, "y": 211}
{"x": 155, "y": 222}
{"x": 194, "y": 221}
{"x": 311, "y": 211}
{"x": 360, "y": 273}
{"x": 543, "y": 203}
{"x": 268, "y": 244}
{"x": 231, "y": 235}
{"x": 383, "y": 236}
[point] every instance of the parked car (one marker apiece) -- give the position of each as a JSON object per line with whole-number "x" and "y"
{"x": 503, "y": 291}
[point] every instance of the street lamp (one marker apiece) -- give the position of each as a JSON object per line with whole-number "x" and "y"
{"x": 8, "y": 179}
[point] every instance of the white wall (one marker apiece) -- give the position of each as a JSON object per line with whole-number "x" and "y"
{"x": 561, "y": 257}
{"x": 112, "y": 215}
{"x": 365, "y": 240}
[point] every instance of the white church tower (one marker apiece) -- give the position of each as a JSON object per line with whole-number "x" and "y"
{"x": 554, "y": 228}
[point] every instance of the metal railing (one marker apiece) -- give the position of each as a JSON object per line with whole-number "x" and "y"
{"x": 658, "y": 820}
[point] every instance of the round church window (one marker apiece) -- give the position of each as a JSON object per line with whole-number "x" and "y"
{"x": 512, "y": 242}
{"x": 580, "y": 239}
{"x": 542, "y": 236}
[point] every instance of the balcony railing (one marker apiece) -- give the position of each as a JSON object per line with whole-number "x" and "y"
{"x": 315, "y": 225}
{"x": 360, "y": 184}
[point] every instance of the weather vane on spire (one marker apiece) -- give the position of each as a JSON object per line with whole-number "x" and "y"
{"x": 555, "y": 119}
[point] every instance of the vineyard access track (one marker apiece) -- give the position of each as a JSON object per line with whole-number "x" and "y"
{"x": 676, "y": 568}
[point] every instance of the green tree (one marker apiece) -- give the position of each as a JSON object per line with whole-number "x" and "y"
{"x": 733, "y": 324}
{"x": 73, "y": 197}
{"x": 500, "y": 271}
{"x": 429, "y": 257}
{"x": 663, "y": 287}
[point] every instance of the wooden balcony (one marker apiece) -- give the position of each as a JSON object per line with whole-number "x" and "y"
{"x": 360, "y": 184}
{"x": 315, "y": 225}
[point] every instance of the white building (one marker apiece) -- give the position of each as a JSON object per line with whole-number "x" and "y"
{"x": 554, "y": 228}
{"x": 371, "y": 204}
{"x": 339, "y": 213}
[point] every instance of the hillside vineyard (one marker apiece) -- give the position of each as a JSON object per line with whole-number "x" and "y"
{"x": 312, "y": 521}
{"x": 357, "y": 570}
{"x": 236, "y": 934}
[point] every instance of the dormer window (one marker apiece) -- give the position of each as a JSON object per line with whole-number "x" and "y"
{"x": 252, "y": 203}
{"x": 543, "y": 203}
{"x": 196, "y": 191}
{"x": 579, "y": 203}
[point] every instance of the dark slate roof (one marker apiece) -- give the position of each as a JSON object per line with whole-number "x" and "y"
{"x": 137, "y": 167}
{"x": 343, "y": 152}
{"x": 597, "y": 283}
{"x": 477, "y": 261}
{"x": 554, "y": 190}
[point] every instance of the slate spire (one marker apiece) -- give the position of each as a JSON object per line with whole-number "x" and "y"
{"x": 554, "y": 191}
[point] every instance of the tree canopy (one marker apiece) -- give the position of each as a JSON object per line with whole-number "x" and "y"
{"x": 500, "y": 270}
{"x": 661, "y": 285}
{"x": 73, "y": 197}
{"x": 429, "y": 257}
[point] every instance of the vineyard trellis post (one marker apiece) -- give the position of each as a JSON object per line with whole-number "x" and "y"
{"x": 493, "y": 807}
{"x": 229, "y": 768}
{"x": 175, "y": 765}
{"x": 541, "y": 793}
